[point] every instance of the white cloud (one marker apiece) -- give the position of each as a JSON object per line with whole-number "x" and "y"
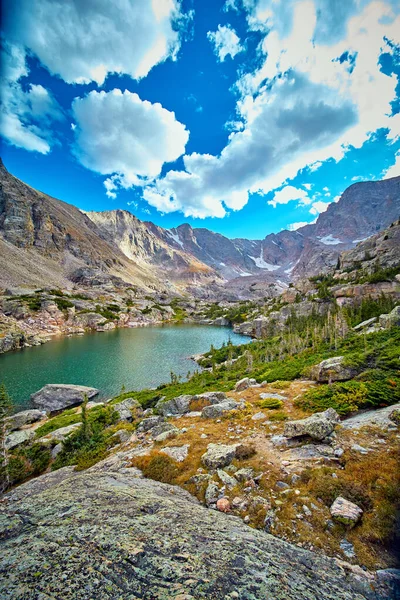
{"x": 225, "y": 42}
{"x": 394, "y": 170}
{"x": 83, "y": 41}
{"x": 130, "y": 139}
{"x": 300, "y": 108}
{"x": 287, "y": 194}
{"x": 27, "y": 114}
{"x": 319, "y": 207}
{"x": 295, "y": 226}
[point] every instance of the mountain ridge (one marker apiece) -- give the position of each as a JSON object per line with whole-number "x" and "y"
{"x": 115, "y": 247}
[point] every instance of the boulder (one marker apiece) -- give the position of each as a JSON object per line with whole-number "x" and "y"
{"x": 168, "y": 434}
{"x": 55, "y": 397}
{"x": 244, "y": 383}
{"x": 392, "y": 319}
{"x": 216, "y": 410}
{"x": 150, "y": 423}
{"x": 178, "y": 453}
{"x": 223, "y": 505}
{"x": 163, "y": 431}
{"x": 346, "y": 512}
{"x": 212, "y": 397}
{"x": 124, "y": 409}
{"x": 332, "y": 369}
{"x": 365, "y": 324}
{"x": 18, "y": 437}
{"x": 122, "y": 435}
{"x": 134, "y": 526}
{"x": 176, "y": 406}
{"x": 59, "y": 435}
{"x": 218, "y": 455}
{"x": 24, "y": 417}
{"x": 318, "y": 426}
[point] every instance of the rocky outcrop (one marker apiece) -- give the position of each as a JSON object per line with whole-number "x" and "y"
{"x": 318, "y": 426}
{"x": 55, "y": 397}
{"x": 109, "y": 534}
{"x": 127, "y": 408}
{"x": 59, "y": 435}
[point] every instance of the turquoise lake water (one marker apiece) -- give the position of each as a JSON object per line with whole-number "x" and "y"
{"x": 136, "y": 358}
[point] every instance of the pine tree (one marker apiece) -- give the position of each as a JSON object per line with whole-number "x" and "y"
{"x": 85, "y": 428}
{"x": 5, "y": 410}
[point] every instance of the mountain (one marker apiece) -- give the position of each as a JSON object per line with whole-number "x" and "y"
{"x": 363, "y": 209}
{"x": 47, "y": 242}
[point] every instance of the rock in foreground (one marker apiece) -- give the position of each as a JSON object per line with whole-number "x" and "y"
{"x": 55, "y": 397}
{"x": 109, "y": 534}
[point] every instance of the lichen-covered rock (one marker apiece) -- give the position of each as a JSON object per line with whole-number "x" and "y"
{"x": 107, "y": 534}
{"x": 333, "y": 369}
{"x": 125, "y": 408}
{"x": 55, "y": 397}
{"x": 18, "y": 437}
{"x": 218, "y": 455}
{"x": 318, "y": 426}
{"x": 58, "y": 435}
{"x": 244, "y": 383}
{"x": 178, "y": 453}
{"x": 176, "y": 406}
{"x": 24, "y": 417}
{"x": 212, "y": 494}
{"x": 163, "y": 432}
{"x": 150, "y": 423}
{"x": 216, "y": 410}
{"x": 346, "y": 512}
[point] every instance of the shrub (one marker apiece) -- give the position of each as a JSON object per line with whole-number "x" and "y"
{"x": 270, "y": 403}
{"x": 158, "y": 466}
{"x": 279, "y": 415}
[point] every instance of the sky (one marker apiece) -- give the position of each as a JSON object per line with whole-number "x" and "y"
{"x": 243, "y": 116}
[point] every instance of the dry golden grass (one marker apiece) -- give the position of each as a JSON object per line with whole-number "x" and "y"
{"x": 372, "y": 480}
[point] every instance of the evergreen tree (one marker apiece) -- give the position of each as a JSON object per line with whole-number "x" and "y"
{"x": 5, "y": 410}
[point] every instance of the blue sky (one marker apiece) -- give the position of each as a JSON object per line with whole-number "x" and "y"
{"x": 242, "y": 116}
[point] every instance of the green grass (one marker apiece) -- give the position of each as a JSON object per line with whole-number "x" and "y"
{"x": 68, "y": 417}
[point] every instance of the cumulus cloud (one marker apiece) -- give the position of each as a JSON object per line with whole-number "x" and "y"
{"x": 319, "y": 207}
{"x": 287, "y": 194}
{"x": 130, "y": 139}
{"x": 296, "y": 226}
{"x": 83, "y": 41}
{"x": 300, "y": 107}
{"x": 394, "y": 170}
{"x": 27, "y": 114}
{"x": 225, "y": 42}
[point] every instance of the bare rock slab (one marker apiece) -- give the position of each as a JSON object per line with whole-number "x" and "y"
{"x": 133, "y": 526}
{"x": 54, "y": 397}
